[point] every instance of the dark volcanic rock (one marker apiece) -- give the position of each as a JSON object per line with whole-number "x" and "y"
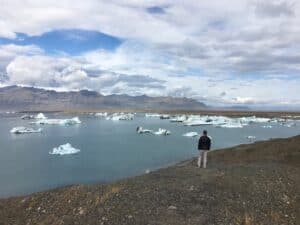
{"x": 34, "y": 99}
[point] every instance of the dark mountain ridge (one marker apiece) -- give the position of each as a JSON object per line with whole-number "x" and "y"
{"x": 33, "y": 99}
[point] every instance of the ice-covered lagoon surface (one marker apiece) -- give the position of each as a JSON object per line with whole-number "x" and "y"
{"x": 107, "y": 149}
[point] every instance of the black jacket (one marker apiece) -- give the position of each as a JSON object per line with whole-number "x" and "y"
{"x": 204, "y": 143}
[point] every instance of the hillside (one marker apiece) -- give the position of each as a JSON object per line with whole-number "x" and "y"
{"x": 28, "y": 98}
{"x": 249, "y": 184}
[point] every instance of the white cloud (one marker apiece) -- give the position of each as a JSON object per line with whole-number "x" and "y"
{"x": 248, "y": 49}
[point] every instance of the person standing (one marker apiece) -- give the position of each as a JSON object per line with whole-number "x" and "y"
{"x": 203, "y": 147}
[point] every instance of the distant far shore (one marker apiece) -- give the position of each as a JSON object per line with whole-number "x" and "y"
{"x": 229, "y": 113}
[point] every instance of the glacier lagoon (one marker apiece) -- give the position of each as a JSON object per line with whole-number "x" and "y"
{"x": 109, "y": 149}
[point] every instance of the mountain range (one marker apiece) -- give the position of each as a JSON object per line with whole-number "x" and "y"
{"x": 36, "y": 99}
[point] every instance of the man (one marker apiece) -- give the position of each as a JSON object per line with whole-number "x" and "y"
{"x": 203, "y": 147}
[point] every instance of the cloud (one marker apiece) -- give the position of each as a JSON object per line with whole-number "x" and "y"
{"x": 274, "y": 8}
{"x": 176, "y": 48}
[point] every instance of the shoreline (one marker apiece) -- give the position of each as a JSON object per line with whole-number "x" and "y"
{"x": 244, "y": 180}
{"x": 209, "y": 112}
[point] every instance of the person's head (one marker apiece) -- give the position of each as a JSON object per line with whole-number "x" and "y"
{"x": 205, "y": 132}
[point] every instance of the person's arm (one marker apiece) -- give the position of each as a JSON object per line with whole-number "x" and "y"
{"x": 209, "y": 143}
{"x": 199, "y": 143}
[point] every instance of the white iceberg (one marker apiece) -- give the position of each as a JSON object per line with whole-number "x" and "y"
{"x": 152, "y": 115}
{"x": 101, "y": 114}
{"x": 140, "y": 130}
{"x": 40, "y": 116}
{"x": 72, "y": 121}
{"x": 65, "y": 149}
{"x": 190, "y": 134}
{"x": 178, "y": 118}
{"x": 120, "y": 116}
{"x": 290, "y": 124}
{"x": 162, "y": 132}
{"x": 27, "y": 117}
{"x": 230, "y": 125}
{"x": 251, "y": 137}
{"x": 24, "y": 130}
{"x": 164, "y": 117}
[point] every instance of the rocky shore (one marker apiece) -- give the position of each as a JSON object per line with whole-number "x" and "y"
{"x": 257, "y": 183}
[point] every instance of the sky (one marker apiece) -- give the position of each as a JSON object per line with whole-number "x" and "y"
{"x": 222, "y": 53}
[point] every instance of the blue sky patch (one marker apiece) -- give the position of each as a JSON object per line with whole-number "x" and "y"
{"x": 72, "y": 41}
{"x": 156, "y": 10}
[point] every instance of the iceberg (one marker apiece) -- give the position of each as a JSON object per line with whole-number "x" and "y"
{"x": 27, "y": 117}
{"x": 152, "y": 115}
{"x": 72, "y": 121}
{"x": 251, "y": 137}
{"x": 178, "y": 118}
{"x": 230, "y": 125}
{"x": 120, "y": 116}
{"x": 164, "y": 117}
{"x": 140, "y": 130}
{"x": 40, "y": 116}
{"x": 290, "y": 125}
{"x": 196, "y": 123}
{"x": 190, "y": 134}
{"x": 24, "y": 130}
{"x": 162, "y": 132}
{"x": 65, "y": 149}
{"x": 266, "y": 126}
{"x": 101, "y": 114}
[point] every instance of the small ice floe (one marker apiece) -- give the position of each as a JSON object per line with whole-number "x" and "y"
{"x": 24, "y": 130}
{"x": 266, "y": 126}
{"x": 178, "y": 118}
{"x": 190, "y": 134}
{"x": 289, "y": 124}
{"x": 162, "y": 132}
{"x": 101, "y": 114}
{"x": 27, "y": 117}
{"x": 141, "y": 130}
{"x": 230, "y": 125}
{"x": 164, "y": 117}
{"x": 65, "y": 149}
{"x": 156, "y": 115}
{"x": 40, "y": 116}
{"x": 251, "y": 138}
{"x": 120, "y": 116}
{"x": 147, "y": 171}
{"x": 196, "y": 123}
{"x": 72, "y": 121}
{"x": 253, "y": 119}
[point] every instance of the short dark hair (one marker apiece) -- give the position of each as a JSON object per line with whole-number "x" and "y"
{"x": 205, "y": 132}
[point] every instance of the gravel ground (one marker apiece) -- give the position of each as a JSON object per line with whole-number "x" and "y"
{"x": 249, "y": 184}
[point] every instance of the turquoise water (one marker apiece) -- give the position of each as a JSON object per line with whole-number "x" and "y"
{"x": 110, "y": 150}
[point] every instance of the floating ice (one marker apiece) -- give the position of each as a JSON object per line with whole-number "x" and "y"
{"x": 24, "y": 130}
{"x": 65, "y": 149}
{"x": 152, "y": 115}
{"x": 164, "y": 117}
{"x": 101, "y": 114}
{"x": 72, "y": 121}
{"x": 120, "y": 116}
{"x": 40, "y": 116}
{"x": 190, "y": 134}
{"x": 289, "y": 124}
{"x": 162, "y": 132}
{"x": 266, "y": 126}
{"x": 27, "y": 117}
{"x": 178, "y": 118}
{"x": 140, "y": 130}
{"x": 230, "y": 125}
{"x": 251, "y": 137}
